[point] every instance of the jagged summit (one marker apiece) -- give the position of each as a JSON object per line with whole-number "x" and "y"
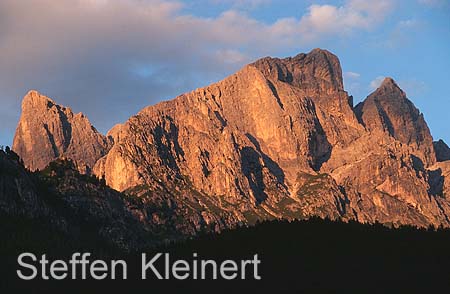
{"x": 321, "y": 51}
{"x": 391, "y": 88}
{"x": 388, "y": 110}
{"x": 47, "y": 131}
{"x": 389, "y": 82}
{"x": 319, "y": 70}
{"x": 34, "y": 99}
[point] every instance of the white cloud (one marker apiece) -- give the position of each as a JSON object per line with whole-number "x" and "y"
{"x": 354, "y": 15}
{"x": 374, "y": 84}
{"x": 231, "y": 56}
{"x": 351, "y": 75}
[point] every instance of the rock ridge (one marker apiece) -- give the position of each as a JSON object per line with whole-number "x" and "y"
{"x": 280, "y": 138}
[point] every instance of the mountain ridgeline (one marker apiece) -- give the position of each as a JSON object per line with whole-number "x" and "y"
{"x": 279, "y": 139}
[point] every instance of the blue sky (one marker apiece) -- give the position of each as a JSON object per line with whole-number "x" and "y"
{"x": 109, "y": 58}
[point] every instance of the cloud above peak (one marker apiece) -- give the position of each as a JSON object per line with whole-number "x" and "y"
{"x": 351, "y": 75}
{"x": 354, "y": 15}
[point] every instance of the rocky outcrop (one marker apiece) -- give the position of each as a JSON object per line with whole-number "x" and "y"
{"x": 391, "y": 183}
{"x": 442, "y": 151}
{"x": 47, "y": 131}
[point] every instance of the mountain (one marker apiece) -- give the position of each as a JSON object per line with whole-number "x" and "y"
{"x": 278, "y": 139}
{"x": 247, "y": 144}
{"x": 47, "y": 131}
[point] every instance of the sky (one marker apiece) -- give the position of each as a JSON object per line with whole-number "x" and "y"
{"x": 110, "y": 58}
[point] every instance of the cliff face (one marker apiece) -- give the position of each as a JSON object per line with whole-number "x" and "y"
{"x": 277, "y": 139}
{"x": 245, "y": 141}
{"x": 47, "y": 131}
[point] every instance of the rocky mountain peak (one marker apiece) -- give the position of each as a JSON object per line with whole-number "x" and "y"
{"x": 389, "y": 82}
{"x": 388, "y": 110}
{"x": 316, "y": 71}
{"x": 391, "y": 89}
{"x": 34, "y": 100}
{"x": 47, "y": 131}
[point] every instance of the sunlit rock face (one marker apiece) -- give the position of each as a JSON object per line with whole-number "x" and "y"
{"x": 47, "y": 131}
{"x": 278, "y": 139}
{"x": 244, "y": 141}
